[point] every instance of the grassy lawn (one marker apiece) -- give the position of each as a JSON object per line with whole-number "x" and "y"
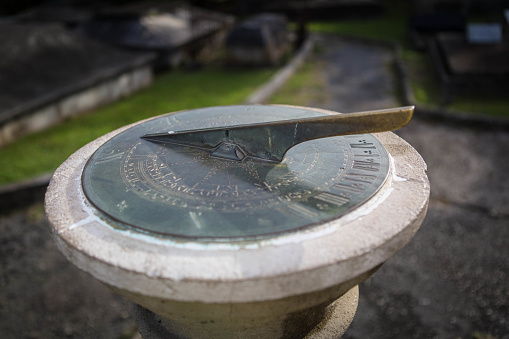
{"x": 305, "y": 87}
{"x": 43, "y": 152}
{"x": 390, "y": 27}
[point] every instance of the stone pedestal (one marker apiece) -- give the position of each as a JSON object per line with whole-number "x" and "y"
{"x": 325, "y": 321}
{"x": 290, "y": 285}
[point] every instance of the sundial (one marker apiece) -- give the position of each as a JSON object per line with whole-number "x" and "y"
{"x": 239, "y": 172}
{"x": 241, "y": 221}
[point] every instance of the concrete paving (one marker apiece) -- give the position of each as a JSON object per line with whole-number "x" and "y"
{"x": 358, "y": 75}
{"x": 451, "y": 281}
{"x": 42, "y": 295}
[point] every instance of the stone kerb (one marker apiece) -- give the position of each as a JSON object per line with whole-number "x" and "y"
{"x": 23, "y": 193}
{"x": 263, "y": 93}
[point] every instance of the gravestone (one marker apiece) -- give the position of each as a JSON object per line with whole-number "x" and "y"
{"x": 261, "y": 40}
{"x": 177, "y": 33}
{"x": 484, "y": 33}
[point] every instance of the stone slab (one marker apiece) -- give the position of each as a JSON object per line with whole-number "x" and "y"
{"x": 44, "y": 63}
{"x": 108, "y": 91}
{"x": 463, "y": 58}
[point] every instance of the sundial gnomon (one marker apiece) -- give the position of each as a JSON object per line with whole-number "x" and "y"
{"x": 235, "y": 190}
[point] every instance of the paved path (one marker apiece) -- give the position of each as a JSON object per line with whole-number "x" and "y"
{"x": 357, "y": 75}
{"x": 452, "y": 280}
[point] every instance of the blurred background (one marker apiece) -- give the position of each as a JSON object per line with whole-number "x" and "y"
{"x": 71, "y": 71}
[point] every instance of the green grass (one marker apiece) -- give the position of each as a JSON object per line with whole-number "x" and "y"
{"x": 305, "y": 88}
{"x": 390, "y": 27}
{"x": 372, "y": 29}
{"x": 496, "y": 105}
{"x": 423, "y": 78}
{"x": 43, "y": 152}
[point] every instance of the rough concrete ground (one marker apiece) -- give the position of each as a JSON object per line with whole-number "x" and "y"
{"x": 451, "y": 281}
{"x": 43, "y": 296}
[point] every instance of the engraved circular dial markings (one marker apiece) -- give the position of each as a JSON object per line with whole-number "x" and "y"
{"x": 180, "y": 191}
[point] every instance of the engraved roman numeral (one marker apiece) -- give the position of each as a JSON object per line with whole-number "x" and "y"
{"x": 301, "y": 211}
{"x": 363, "y": 145}
{"x": 363, "y": 178}
{"x": 332, "y": 198}
{"x": 349, "y": 187}
{"x": 366, "y": 165}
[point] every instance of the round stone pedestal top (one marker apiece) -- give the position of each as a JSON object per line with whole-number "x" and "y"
{"x": 285, "y": 265}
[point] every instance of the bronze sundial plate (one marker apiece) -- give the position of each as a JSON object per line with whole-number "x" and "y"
{"x": 176, "y": 191}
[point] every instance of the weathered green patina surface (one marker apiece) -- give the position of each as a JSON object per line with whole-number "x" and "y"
{"x": 239, "y": 172}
